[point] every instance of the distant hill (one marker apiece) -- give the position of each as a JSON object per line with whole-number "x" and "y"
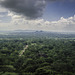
{"x": 36, "y": 34}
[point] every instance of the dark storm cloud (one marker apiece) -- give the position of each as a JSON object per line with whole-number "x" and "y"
{"x": 31, "y": 9}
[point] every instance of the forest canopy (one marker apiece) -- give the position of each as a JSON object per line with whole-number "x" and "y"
{"x": 41, "y": 57}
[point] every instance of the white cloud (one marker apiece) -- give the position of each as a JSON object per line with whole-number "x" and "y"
{"x": 19, "y": 22}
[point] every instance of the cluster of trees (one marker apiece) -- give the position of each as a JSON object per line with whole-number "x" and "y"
{"x": 42, "y": 57}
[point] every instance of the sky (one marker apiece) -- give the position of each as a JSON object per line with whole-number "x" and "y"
{"x": 46, "y": 15}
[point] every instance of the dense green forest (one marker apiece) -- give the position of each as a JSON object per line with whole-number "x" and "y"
{"x": 41, "y": 57}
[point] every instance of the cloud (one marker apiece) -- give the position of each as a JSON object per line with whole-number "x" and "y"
{"x": 63, "y": 24}
{"x": 31, "y": 9}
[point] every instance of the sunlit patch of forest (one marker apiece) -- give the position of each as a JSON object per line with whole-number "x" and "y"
{"x": 41, "y": 57}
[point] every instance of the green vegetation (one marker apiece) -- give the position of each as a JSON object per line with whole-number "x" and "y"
{"x": 41, "y": 57}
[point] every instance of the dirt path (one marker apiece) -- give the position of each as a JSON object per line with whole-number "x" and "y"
{"x": 21, "y": 53}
